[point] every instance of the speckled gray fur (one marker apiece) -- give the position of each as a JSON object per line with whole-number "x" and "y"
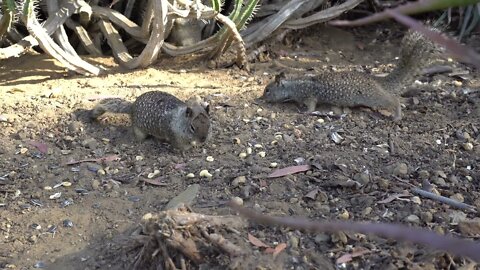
{"x": 352, "y": 89}
{"x": 347, "y": 89}
{"x": 163, "y": 116}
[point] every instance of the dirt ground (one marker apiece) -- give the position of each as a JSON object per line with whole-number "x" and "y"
{"x": 42, "y": 126}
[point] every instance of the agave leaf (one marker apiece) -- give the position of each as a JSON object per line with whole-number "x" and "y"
{"x": 8, "y": 8}
{"x": 240, "y": 16}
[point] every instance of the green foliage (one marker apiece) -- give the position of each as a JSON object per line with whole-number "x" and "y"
{"x": 240, "y": 15}
{"x": 8, "y": 11}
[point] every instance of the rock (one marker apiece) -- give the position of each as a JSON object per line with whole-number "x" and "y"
{"x": 237, "y": 200}
{"x": 458, "y": 197}
{"x": 469, "y": 227}
{"x": 321, "y": 238}
{"x": 186, "y": 197}
{"x": 294, "y": 242}
{"x": 439, "y": 181}
{"x": 401, "y": 169}
{"x": 397, "y": 169}
{"x": 4, "y": 118}
{"x": 426, "y": 217}
{"x": 75, "y": 127}
{"x": 240, "y": 180}
{"x": 467, "y": 146}
{"x": 95, "y": 184}
{"x": 339, "y": 237}
{"x": 423, "y": 174}
{"x": 413, "y": 219}
{"x": 362, "y": 178}
{"x": 367, "y": 211}
{"x": 90, "y": 143}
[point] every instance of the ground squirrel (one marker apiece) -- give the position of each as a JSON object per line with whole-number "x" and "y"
{"x": 353, "y": 89}
{"x": 162, "y": 115}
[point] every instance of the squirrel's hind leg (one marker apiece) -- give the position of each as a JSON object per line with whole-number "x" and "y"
{"x": 140, "y": 135}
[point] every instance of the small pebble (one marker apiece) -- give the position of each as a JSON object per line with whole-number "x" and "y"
{"x": 258, "y": 146}
{"x": 242, "y": 155}
{"x": 294, "y": 242}
{"x": 138, "y": 158}
{"x": 320, "y": 120}
{"x": 240, "y": 180}
{"x": 426, "y": 217}
{"x": 413, "y": 219}
{"x": 3, "y": 118}
{"x": 205, "y": 173}
{"x": 147, "y": 216}
{"x": 273, "y": 165}
{"x": 39, "y": 264}
{"x": 134, "y": 198}
{"x": 95, "y": 184}
{"x": 249, "y": 150}
{"x": 67, "y": 223}
{"x": 237, "y": 141}
{"x": 417, "y": 200}
{"x": 210, "y": 159}
{"x": 237, "y": 200}
{"x": 262, "y": 154}
{"x": 47, "y": 188}
{"x": 457, "y": 83}
{"x": 101, "y": 172}
{"x": 468, "y": 146}
{"x": 344, "y": 215}
{"x": 400, "y": 169}
{"x": 367, "y": 211}
{"x": 423, "y": 174}
{"x": 458, "y": 197}
{"x": 190, "y": 175}
{"x": 23, "y": 150}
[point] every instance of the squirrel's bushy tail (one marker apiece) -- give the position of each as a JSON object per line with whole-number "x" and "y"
{"x": 415, "y": 55}
{"x": 113, "y": 105}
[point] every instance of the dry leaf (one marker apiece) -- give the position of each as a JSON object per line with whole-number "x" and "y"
{"x": 156, "y": 181}
{"x": 279, "y": 249}
{"x": 348, "y": 257}
{"x": 42, "y": 147}
{"x": 256, "y": 242}
{"x": 312, "y": 194}
{"x": 393, "y": 197}
{"x": 289, "y": 170}
{"x": 98, "y": 160}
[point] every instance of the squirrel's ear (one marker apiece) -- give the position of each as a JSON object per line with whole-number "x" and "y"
{"x": 280, "y": 77}
{"x": 189, "y": 112}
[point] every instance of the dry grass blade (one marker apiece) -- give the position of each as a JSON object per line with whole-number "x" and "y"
{"x": 420, "y": 236}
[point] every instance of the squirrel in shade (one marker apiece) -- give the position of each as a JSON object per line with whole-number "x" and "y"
{"x": 163, "y": 116}
{"x": 354, "y": 89}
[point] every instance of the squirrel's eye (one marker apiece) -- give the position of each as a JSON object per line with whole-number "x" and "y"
{"x": 267, "y": 91}
{"x": 192, "y": 128}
